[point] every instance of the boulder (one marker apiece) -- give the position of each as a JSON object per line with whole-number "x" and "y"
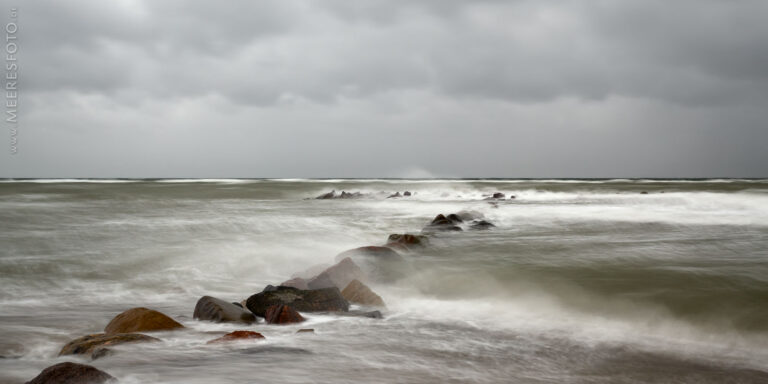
{"x": 282, "y": 314}
{"x": 408, "y": 240}
{"x": 442, "y": 223}
{"x": 498, "y": 195}
{"x": 329, "y": 195}
{"x": 454, "y": 218}
{"x": 380, "y": 264}
{"x": 296, "y": 282}
{"x": 316, "y": 300}
{"x": 337, "y": 276}
{"x": 406, "y": 193}
{"x": 90, "y": 344}
{"x": 368, "y": 314}
{"x": 219, "y": 311}
{"x": 512, "y": 197}
{"x": 141, "y": 320}
{"x": 394, "y": 195}
{"x": 481, "y": 224}
{"x": 358, "y": 293}
{"x": 71, "y": 373}
{"x": 306, "y": 330}
{"x": 237, "y": 335}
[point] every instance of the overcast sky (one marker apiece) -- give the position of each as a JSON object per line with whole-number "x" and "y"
{"x": 386, "y": 88}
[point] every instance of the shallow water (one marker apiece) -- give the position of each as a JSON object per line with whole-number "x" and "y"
{"x": 581, "y": 281}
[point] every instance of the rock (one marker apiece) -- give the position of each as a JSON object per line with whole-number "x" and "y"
{"x": 338, "y": 275}
{"x": 325, "y": 196}
{"x": 71, "y": 373}
{"x": 498, "y": 195}
{"x": 481, "y": 224}
{"x": 469, "y": 215}
{"x": 512, "y": 197}
{"x": 455, "y": 218}
{"x": 296, "y": 282}
{"x": 398, "y": 247}
{"x": 368, "y": 314}
{"x": 644, "y": 192}
{"x": 381, "y": 264}
{"x": 408, "y": 240}
{"x": 317, "y": 300}
{"x": 306, "y": 330}
{"x": 282, "y": 314}
{"x": 395, "y": 195}
{"x": 359, "y": 293}
{"x": 406, "y": 193}
{"x": 88, "y": 345}
{"x": 240, "y": 305}
{"x": 442, "y": 223}
{"x": 141, "y": 320}
{"x": 269, "y": 288}
{"x": 238, "y": 335}
{"x": 219, "y": 311}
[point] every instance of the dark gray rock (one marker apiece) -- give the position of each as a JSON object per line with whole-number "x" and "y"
{"x": 315, "y": 300}
{"x": 219, "y": 311}
{"x": 71, "y": 373}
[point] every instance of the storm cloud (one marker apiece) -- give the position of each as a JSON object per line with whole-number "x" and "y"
{"x": 376, "y": 88}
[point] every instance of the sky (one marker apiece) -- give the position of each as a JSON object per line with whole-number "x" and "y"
{"x": 388, "y": 88}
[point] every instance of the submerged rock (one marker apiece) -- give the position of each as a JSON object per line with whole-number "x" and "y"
{"x": 481, "y": 224}
{"x": 306, "y": 330}
{"x": 442, "y": 223}
{"x": 408, "y": 240}
{"x": 94, "y": 345}
{"x": 406, "y": 193}
{"x": 359, "y": 293}
{"x": 237, "y": 335}
{"x": 394, "y": 195}
{"x": 141, "y": 320}
{"x": 316, "y": 300}
{"x": 329, "y": 195}
{"x": 219, "y": 311}
{"x": 338, "y": 275}
{"x": 282, "y": 314}
{"x": 368, "y": 314}
{"x": 71, "y": 373}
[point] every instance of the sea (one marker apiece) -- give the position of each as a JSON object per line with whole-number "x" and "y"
{"x": 579, "y": 280}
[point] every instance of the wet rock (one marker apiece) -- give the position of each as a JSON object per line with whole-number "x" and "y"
{"x": 406, "y": 193}
{"x": 455, "y": 218}
{"x": 282, "y": 314}
{"x": 348, "y": 195}
{"x": 71, "y": 373}
{"x": 380, "y": 264}
{"x": 442, "y": 223}
{"x": 306, "y": 330}
{"x": 368, "y": 314}
{"x": 317, "y": 300}
{"x": 394, "y": 195}
{"x": 481, "y": 224}
{"x": 499, "y": 195}
{"x": 408, "y": 240}
{"x": 238, "y": 335}
{"x": 325, "y": 196}
{"x": 469, "y": 215}
{"x": 512, "y": 197}
{"x": 644, "y": 192}
{"x": 296, "y": 282}
{"x": 141, "y": 320}
{"x": 359, "y": 293}
{"x": 219, "y": 311}
{"x": 89, "y": 344}
{"x": 240, "y": 305}
{"x": 269, "y": 288}
{"x": 338, "y": 275}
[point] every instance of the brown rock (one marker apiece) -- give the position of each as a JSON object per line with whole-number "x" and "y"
{"x": 238, "y": 335}
{"x": 329, "y": 195}
{"x": 408, "y": 239}
{"x": 71, "y": 373}
{"x": 219, "y": 311}
{"x": 87, "y": 345}
{"x": 282, "y": 314}
{"x": 357, "y": 292}
{"x": 141, "y": 320}
{"x": 338, "y": 275}
{"x": 306, "y": 330}
{"x": 442, "y": 223}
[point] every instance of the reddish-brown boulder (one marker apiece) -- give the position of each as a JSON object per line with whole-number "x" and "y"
{"x": 141, "y": 320}
{"x": 71, "y": 373}
{"x": 238, "y": 335}
{"x": 89, "y": 344}
{"x": 357, "y": 292}
{"x": 282, "y": 314}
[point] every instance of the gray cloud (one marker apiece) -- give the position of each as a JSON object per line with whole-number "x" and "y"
{"x": 392, "y": 88}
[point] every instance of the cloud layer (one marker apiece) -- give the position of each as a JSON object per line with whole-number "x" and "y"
{"x": 392, "y": 88}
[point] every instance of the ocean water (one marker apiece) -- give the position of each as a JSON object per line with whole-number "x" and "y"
{"x": 581, "y": 281}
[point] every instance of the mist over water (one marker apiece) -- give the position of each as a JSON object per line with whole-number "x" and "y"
{"x": 581, "y": 281}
